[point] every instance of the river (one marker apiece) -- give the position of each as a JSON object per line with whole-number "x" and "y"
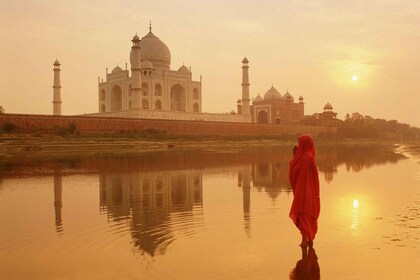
{"x": 208, "y": 215}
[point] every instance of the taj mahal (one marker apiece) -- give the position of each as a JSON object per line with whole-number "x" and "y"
{"x": 155, "y": 91}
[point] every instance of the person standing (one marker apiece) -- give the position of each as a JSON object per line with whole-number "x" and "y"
{"x": 303, "y": 177}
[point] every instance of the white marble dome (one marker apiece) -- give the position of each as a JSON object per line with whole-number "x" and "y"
{"x": 145, "y": 64}
{"x": 117, "y": 70}
{"x": 155, "y": 51}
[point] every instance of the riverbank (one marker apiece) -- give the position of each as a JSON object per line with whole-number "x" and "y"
{"x": 33, "y": 145}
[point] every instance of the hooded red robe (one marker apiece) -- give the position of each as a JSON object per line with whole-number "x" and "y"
{"x": 303, "y": 176}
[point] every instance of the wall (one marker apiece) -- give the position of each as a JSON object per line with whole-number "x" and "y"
{"x": 173, "y": 115}
{"x": 87, "y": 124}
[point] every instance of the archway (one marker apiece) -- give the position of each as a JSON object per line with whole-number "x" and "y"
{"x": 145, "y": 104}
{"x": 103, "y": 94}
{"x": 158, "y": 105}
{"x": 277, "y": 120}
{"x": 145, "y": 89}
{"x": 158, "y": 90}
{"x": 178, "y": 98}
{"x": 195, "y": 107}
{"x": 103, "y": 108}
{"x": 262, "y": 117}
{"x": 116, "y": 99}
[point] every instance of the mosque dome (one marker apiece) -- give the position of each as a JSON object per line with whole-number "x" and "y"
{"x": 272, "y": 93}
{"x": 154, "y": 50}
{"x": 328, "y": 106}
{"x": 145, "y": 64}
{"x": 288, "y": 97}
{"x": 257, "y": 99}
{"x": 117, "y": 70}
{"x": 184, "y": 70}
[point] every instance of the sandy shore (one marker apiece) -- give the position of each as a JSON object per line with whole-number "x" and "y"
{"x": 411, "y": 151}
{"x": 19, "y": 145}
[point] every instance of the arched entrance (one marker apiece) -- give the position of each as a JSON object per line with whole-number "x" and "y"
{"x": 277, "y": 120}
{"x": 262, "y": 117}
{"x": 178, "y": 98}
{"x": 116, "y": 99}
{"x": 158, "y": 90}
{"x": 158, "y": 105}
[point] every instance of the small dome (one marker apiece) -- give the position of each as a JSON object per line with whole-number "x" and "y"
{"x": 257, "y": 99}
{"x": 288, "y": 97}
{"x": 136, "y": 38}
{"x": 184, "y": 70}
{"x": 239, "y": 101}
{"x": 154, "y": 50}
{"x": 328, "y": 106}
{"x": 272, "y": 93}
{"x": 145, "y": 64}
{"x": 245, "y": 60}
{"x": 116, "y": 70}
{"x": 300, "y": 97}
{"x": 56, "y": 62}
{"x": 232, "y": 112}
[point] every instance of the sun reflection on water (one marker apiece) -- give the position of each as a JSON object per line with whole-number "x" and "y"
{"x": 355, "y": 216}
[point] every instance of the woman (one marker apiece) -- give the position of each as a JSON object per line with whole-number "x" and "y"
{"x": 303, "y": 176}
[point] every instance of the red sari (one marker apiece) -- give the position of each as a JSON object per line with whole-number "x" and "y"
{"x": 303, "y": 176}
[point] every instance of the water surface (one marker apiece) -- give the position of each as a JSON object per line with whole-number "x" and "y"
{"x": 207, "y": 215}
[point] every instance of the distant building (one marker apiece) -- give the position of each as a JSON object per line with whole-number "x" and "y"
{"x": 277, "y": 109}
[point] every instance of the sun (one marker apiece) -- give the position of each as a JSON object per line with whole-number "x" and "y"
{"x": 354, "y": 78}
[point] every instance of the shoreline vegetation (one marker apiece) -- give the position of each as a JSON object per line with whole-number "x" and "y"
{"x": 36, "y": 144}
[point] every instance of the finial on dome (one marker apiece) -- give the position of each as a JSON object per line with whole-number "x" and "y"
{"x": 150, "y": 26}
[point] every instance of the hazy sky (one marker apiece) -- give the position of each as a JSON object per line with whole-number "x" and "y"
{"x": 312, "y": 48}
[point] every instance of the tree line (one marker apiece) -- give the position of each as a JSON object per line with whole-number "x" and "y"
{"x": 359, "y": 126}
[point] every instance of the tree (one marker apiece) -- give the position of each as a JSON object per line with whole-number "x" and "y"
{"x": 1, "y": 110}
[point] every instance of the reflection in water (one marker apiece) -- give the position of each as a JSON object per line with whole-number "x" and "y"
{"x": 355, "y": 216}
{"x": 307, "y": 268}
{"x": 244, "y": 181}
{"x": 155, "y": 203}
{"x": 58, "y": 203}
{"x": 355, "y": 158}
{"x": 152, "y": 201}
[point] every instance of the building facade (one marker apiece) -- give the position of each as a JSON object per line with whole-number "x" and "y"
{"x": 277, "y": 109}
{"x": 152, "y": 84}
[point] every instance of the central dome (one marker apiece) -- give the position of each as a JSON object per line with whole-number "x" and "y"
{"x": 272, "y": 93}
{"x": 155, "y": 51}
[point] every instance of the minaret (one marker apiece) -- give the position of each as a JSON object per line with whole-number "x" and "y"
{"x": 245, "y": 88}
{"x": 135, "y": 60}
{"x": 57, "y": 90}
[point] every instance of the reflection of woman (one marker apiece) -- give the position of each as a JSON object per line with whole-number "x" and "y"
{"x": 307, "y": 268}
{"x": 303, "y": 176}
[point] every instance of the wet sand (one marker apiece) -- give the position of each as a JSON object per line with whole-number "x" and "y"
{"x": 33, "y": 145}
